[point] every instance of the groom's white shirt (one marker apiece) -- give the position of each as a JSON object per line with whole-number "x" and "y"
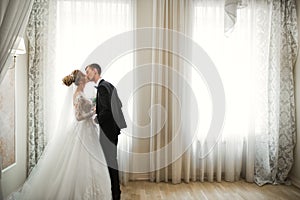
{"x": 97, "y": 83}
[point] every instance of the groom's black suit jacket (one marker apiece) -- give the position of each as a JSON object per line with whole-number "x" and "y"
{"x": 109, "y": 110}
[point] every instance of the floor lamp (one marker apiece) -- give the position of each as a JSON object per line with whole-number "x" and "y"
{"x": 18, "y": 50}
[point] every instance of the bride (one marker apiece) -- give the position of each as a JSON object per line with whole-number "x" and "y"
{"x": 73, "y": 165}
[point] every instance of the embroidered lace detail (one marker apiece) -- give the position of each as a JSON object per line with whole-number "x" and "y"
{"x": 83, "y": 107}
{"x": 93, "y": 192}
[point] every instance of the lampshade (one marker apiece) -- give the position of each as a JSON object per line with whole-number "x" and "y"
{"x": 20, "y": 49}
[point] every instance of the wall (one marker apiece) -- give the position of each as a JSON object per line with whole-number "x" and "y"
{"x": 295, "y": 173}
{"x": 15, "y": 175}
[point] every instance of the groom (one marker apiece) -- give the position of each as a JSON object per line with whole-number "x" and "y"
{"x": 111, "y": 120}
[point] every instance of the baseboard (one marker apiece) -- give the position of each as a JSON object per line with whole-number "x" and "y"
{"x": 295, "y": 181}
{"x": 139, "y": 176}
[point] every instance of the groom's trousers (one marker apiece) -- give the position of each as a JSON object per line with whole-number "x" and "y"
{"x": 109, "y": 146}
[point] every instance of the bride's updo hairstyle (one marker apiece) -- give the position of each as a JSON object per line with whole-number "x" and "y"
{"x": 74, "y": 77}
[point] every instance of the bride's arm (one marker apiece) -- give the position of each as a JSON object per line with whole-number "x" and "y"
{"x": 83, "y": 109}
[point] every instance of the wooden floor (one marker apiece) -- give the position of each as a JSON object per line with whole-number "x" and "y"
{"x": 197, "y": 190}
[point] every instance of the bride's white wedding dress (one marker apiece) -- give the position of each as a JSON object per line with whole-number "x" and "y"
{"x": 73, "y": 165}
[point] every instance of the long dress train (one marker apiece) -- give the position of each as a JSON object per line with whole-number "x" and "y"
{"x": 73, "y": 165}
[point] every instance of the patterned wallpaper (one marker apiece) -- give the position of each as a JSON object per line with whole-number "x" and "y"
{"x": 7, "y": 119}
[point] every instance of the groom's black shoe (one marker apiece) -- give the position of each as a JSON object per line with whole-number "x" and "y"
{"x": 117, "y": 194}
{"x": 116, "y": 197}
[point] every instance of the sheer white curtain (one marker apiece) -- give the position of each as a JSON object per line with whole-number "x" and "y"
{"x": 255, "y": 60}
{"x": 241, "y": 59}
{"x": 80, "y": 27}
{"x": 275, "y": 143}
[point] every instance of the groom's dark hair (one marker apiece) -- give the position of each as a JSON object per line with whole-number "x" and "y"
{"x": 95, "y": 66}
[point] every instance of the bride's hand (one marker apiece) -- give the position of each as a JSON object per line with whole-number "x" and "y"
{"x": 94, "y": 109}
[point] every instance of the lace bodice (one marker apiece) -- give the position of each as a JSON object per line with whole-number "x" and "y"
{"x": 83, "y": 107}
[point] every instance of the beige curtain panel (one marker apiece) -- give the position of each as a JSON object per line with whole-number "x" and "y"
{"x": 13, "y": 19}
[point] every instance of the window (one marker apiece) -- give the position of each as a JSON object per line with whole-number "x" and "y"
{"x": 241, "y": 58}
{"x": 81, "y": 27}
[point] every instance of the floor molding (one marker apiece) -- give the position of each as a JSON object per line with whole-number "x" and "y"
{"x": 295, "y": 181}
{"x": 139, "y": 177}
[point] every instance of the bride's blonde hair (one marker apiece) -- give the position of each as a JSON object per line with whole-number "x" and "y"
{"x": 74, "y": 77}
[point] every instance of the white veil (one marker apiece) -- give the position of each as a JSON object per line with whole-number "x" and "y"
{"x": 67, "y": 121}
{"x": 66, "y": 114}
